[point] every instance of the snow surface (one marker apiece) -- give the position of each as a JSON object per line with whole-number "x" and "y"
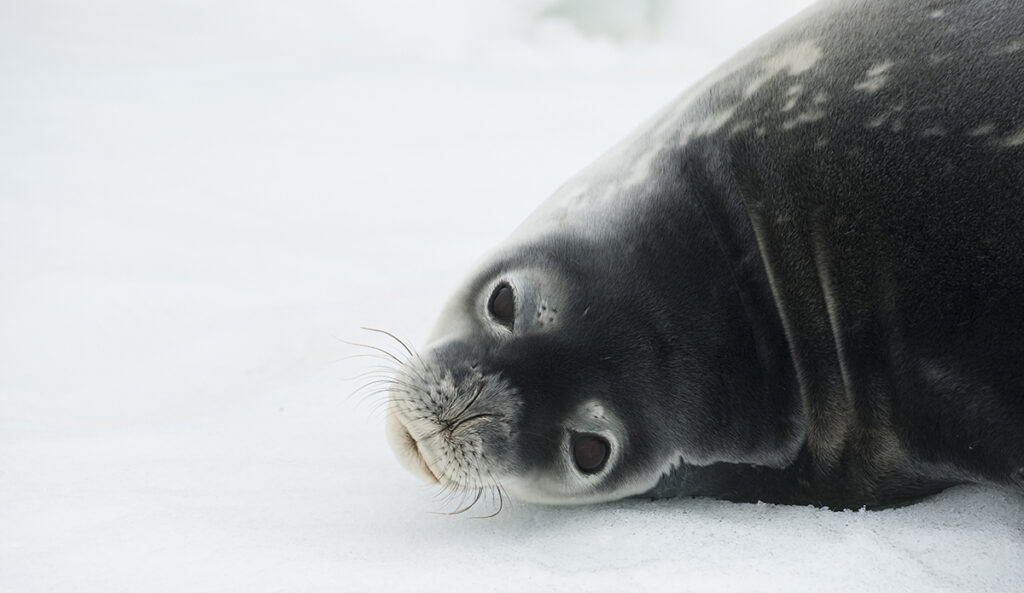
{"x": 199, "y": 200}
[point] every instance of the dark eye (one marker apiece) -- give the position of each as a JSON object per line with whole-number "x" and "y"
{"x": 590, "y": 453}
{"x": 502, "y": 305}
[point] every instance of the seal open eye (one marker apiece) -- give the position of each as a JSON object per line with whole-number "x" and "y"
{"x": 502, "y": 305}
{"x": 590, "y": 453}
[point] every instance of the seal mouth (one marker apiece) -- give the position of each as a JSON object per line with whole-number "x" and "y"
{"x": 407, "y": 449}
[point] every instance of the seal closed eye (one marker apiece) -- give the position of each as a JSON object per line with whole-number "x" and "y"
{"x": 801, "y": 282}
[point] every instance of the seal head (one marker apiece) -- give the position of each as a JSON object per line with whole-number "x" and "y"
{"x": 564, "y": 372}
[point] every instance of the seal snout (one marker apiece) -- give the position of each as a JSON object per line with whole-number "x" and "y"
{"x": 407, "y": 448}
{"x": 451, "y": 427}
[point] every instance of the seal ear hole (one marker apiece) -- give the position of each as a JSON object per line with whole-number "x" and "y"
{"x": 590, "y": 452}
{"x": 502, "y": 305}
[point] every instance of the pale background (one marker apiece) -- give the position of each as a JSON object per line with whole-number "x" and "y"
{"x": 199, "y": 200}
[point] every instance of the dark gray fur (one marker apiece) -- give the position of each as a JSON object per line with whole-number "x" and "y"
{"x": 906, "y": 206}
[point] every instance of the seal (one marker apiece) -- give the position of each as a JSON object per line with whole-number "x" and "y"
{"x": 801, "y": 282}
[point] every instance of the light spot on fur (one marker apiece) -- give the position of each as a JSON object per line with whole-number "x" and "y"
{"x": 1014, "y": 139}
{"x": 933, "y": 131}
{"x": 983, "y": 130}
{"x": 1008, "y": 48}
{"x": 809, "y": 116}
{"x": 875, "y": 78}
{"x": 878, "y": 120}
{"x": 793, "y": 96}
{"x": 793, "y": 61}
{"x": 938, "y": 13}
{"x": 715, "y": 122}
{"x": 799, "y": 59}
{"x": 889, "y": 116}
{"x": 641, "y": 167}
{"x": 880, "y": 69}
{"x": 754, "y": 85}
{"x": 740, "y": 126}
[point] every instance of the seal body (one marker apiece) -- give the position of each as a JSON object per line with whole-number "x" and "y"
{"x": 801, "y": 282}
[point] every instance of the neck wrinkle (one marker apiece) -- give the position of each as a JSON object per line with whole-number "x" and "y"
{"x": 719, "y": 196}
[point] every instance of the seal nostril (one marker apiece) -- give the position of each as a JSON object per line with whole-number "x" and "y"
{"x": 590, "y": 453}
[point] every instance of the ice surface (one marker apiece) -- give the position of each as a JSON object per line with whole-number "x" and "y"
{"x": 198, "y": 200}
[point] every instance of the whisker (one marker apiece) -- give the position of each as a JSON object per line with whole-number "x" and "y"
{"x": 390, "y": 381}
{"x": 496, "y": 489}
{"x": 379, "y": 369}
{"x": 479, "y": 492}
{"x": 378, "y": 400}
{"x": 366, "y": 355}
{"x": 391, "y": 335}
{"x": 378, "y": 349}
{"x": 369, "y": 384}
{"x": 501, "y": 505}
{"x": 445, "y": 497}
{"x": 374, "y": 392}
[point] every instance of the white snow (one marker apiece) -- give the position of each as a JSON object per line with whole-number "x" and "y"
{"x": 199, "y": 200}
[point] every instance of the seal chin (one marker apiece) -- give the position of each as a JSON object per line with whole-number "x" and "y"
{"x": 407, "y": 449}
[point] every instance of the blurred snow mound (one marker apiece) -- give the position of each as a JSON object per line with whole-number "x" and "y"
{"x": 547, "y": 34}
{"x": 619, "y": 20}
{"x": 564, "y": 31}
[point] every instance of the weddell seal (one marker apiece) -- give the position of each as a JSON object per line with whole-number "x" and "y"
{"x": 801, "y": 282}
